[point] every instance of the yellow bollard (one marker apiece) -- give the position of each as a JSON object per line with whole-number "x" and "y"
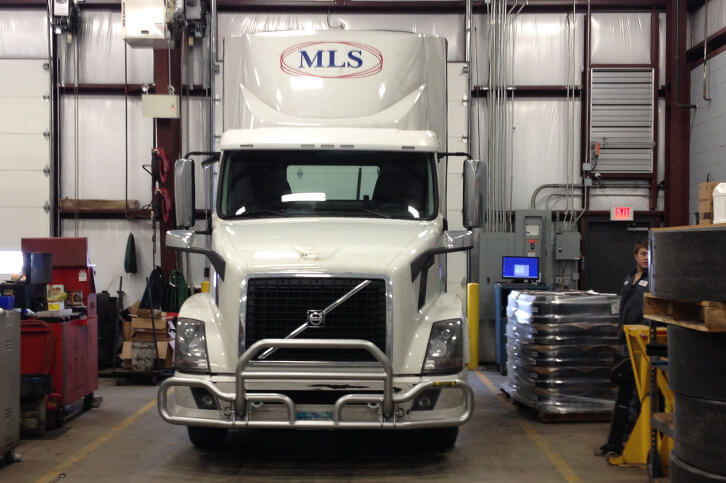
{"x": 472, "y": 304}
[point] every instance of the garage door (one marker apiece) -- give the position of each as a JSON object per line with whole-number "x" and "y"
{"x": 24, "y": 150}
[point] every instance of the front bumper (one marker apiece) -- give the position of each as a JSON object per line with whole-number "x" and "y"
{"x": 380, "y": 410}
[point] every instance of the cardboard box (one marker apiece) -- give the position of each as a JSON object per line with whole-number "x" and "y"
{"x": 142, "y": 330}
{"x": 705, "y": 218}
{"x": 133, "y": 310}
{"x": 126, "y": 354}
{"x": 146, "y": 314}
{"x": 139, "y": 323}
{"x": 166, "y": 354}
{"x": 705, "y": 191}
{"x": 126, "y": 326}
{"x": 139, "y": 355}
{"x": 144, "y": 336}
{"x": 705, "y": 202}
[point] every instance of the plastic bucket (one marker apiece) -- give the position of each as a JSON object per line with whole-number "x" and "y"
{"x": 7, "y": 302}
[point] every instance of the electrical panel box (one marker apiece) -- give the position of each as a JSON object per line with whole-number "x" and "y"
{"x": 143, "y": 23}
{"x": 532, "y": 229}
{"x": 193, "y": 9}
{"x": 567, "y": 246}
{"x": 160, "y": 106}
{"x": 61, "y": 8}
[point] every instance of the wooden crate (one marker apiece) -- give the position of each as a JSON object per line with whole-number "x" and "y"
{"x": 705, "y": 316}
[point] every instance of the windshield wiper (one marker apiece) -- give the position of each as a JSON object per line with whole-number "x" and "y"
{"x": 264, "y": 211}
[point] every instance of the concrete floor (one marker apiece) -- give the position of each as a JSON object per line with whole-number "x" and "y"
{"x": 126, "y": 440}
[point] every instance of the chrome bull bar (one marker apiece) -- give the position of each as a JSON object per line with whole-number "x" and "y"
{"x": 240, "y": 399}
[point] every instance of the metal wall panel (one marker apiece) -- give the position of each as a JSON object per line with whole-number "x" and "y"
{"x": 106, "y": 249}
{"x": 23, "y": 188}
{"x": 101, "y": 53}
{"x": 25, "y": 121}
{"x": 541, "y": 53}
{"x": 23, "y": 152}
{"x": 23, "y": 33}
{"x": 708, "y": 128}
{"x": 25, "y": 78}
{"x": 716, "y": 21}
{"x": 540, "y": 148}
{"x": 102, "y": 165}
{"x": 622, "y": 116}
{"x": 24, "y": 115}
{"x": 450, "y": 26}
{"x": 29, "y": 222}
{"x": 621, "y": 38}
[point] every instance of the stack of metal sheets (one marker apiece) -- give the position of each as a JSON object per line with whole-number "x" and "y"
{"x": 560, "y": 349}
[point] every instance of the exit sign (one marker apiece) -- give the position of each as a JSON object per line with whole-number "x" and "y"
{"x": 621, "y": 213}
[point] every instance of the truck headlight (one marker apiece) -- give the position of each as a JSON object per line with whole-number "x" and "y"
{"x": 191, "y": 346}
{"x": 445, "y": 350}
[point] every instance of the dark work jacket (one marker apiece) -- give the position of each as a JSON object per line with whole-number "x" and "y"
{"x": 631, "y": 299}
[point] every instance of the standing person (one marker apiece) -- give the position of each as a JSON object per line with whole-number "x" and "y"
{"x": 627, "y": 405}
{"x": 636, "y": 284}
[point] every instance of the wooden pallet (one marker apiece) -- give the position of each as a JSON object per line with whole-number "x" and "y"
{"x": 705, "y": 316}
{"x": 569, "y": 417}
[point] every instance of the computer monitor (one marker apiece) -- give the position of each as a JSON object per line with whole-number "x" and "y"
{"x": 520, "y": 268}
{"x": 38, "y": 268}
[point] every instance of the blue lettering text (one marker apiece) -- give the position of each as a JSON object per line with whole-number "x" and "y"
{"x": 355, "y": 58}
{"x": 331, "y": 53}
{"x": 317, "y": 59}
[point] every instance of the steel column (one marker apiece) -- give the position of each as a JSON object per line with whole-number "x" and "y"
{"x": 654, "y": 51}
{"x": 167, "y": 71}
{"x": 677, "y": 133}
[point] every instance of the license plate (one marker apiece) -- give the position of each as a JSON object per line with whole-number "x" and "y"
{"x": 313, "y": 415}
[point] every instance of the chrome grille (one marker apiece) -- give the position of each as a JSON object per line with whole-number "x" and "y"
{"x": 277, "y": 306}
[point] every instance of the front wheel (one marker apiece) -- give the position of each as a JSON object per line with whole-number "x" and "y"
{"x": 207, "y": 438}
{"x": 441, "y": 439}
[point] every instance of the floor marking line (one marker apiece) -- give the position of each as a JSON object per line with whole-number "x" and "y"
{"x": 537, "y": 438}
{"x": 93, "y": 446}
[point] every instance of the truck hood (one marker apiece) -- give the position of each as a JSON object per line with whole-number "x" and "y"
{"x": 325, "y": 245}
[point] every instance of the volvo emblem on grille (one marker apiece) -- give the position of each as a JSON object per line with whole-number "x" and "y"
{"x": 316, "y": 318}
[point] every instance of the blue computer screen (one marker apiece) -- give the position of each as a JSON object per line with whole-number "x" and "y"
{"x": 520, "y": 267}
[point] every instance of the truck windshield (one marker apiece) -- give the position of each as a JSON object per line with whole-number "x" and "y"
{"x": 327, "y": 183}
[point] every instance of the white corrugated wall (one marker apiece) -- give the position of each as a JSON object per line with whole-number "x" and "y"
{"x": 540, "y": 125}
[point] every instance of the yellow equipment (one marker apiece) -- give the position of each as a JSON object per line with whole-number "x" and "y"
{"x": 472, "y": 300}
{"x": 639, "y": 442}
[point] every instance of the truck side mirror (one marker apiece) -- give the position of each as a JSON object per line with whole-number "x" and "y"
{"x": 475, "y": 193}
{"x": 184, "y": 192}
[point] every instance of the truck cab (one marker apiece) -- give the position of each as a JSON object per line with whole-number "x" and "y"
{"x": 328, "y": 306}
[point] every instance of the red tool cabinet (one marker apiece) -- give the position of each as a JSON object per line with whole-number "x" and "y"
{"x": 73, "y": 344}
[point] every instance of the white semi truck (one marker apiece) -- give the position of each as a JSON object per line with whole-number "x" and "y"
{"x": 328, "y": 242}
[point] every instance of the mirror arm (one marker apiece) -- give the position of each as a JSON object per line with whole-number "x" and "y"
{"x": 213, "y": 154}
{"x": 425, "y": 260}
{"x": 214, "y": 258}
{"x": 445, "y": 155}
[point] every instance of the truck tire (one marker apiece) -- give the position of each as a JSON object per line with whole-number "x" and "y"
{"x": 204, "y": 438}
{"x": 441, "y": 439}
